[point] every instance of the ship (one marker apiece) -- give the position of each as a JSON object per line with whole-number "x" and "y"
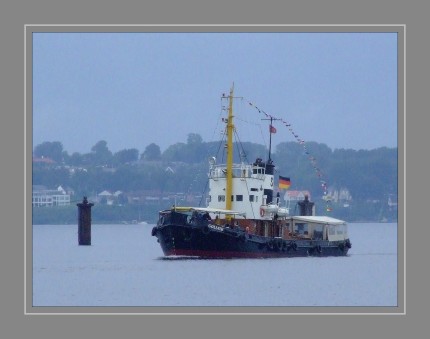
{"x": 243, "y": 217}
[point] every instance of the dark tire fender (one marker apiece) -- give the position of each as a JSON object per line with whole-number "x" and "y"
{"x": 154, "y": 231}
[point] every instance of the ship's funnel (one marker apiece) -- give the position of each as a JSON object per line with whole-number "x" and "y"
{"x": 306, "y": 206}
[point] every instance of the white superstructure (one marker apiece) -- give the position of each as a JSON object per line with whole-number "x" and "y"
{"x": 252, "y": 190}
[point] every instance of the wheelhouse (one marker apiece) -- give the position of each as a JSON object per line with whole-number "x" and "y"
{"x": 321, "y": 228}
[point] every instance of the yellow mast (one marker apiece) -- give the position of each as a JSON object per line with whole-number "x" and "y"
{"x": 230, "y": 129}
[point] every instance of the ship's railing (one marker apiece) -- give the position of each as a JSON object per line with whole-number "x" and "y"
{"x": 239, "y": 171}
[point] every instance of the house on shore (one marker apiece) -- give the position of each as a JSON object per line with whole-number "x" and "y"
{"x": 42, "y": 196}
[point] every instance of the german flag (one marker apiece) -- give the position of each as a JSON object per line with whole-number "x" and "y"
{"x": 284, "y": 183}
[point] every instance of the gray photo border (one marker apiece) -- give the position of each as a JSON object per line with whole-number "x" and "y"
{"x": 16, "y": 323}
{"x": 399, "y": 309}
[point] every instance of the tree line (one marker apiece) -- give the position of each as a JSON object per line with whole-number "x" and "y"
{"x": 182, "y": 167}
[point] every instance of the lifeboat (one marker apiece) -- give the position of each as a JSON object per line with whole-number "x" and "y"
{"x": 283, "y": 212}
{"x": 268, "y": 210}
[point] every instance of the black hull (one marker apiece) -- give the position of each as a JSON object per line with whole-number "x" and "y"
{"x": 212, "y": 242}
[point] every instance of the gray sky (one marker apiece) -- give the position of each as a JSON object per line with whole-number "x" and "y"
{"x": 133, "y": 89}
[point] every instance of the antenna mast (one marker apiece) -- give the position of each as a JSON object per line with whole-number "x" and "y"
{"x": 230, "y": 129}
{"x": 271, "y": 130}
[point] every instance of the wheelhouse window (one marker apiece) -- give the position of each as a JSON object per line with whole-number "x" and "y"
{"x": 258, "y": 171}
{"x": 251, "y": 198}
{"x": 318, "y": 231}
{"x": 339, "y": 231}
{"x": 221, "y": 198}
{"x": 239, "y": 197}
{"x": 302, "y": 228}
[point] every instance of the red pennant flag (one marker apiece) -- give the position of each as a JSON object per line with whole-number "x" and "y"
{"x": 272, "y": 129}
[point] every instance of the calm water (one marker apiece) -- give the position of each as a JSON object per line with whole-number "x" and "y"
{"x": 124, "y": 266}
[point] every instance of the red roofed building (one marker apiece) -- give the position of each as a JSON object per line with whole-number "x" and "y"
{"x": 296, "y": 195}
{"x": 43, "y": 160}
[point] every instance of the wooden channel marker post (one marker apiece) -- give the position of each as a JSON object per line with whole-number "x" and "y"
{"x": 84, "y": 222}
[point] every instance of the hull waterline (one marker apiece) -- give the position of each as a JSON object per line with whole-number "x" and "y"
{"x": 204, "y": 242}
